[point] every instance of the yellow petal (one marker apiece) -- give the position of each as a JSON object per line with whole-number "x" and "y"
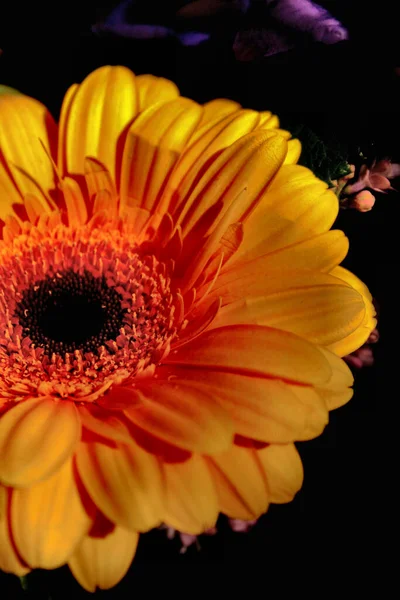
{"x": 36, "y": 437}
{"x": 99, "y": 111}
{"x": 49, "y": 519}
{"x": 62, "y": 128}
{"x": 191, "y": 503}
{"x": 152, "y": 147}
{"x": 322, "y": 252}
{"x": 254, "y": 350}
{"x": 250, "y": 279}
{"x": 241, "y": 483}
{"x": 181, "y": 415}
{"x": 101, "y": 562}
{"x": 294, "y": 180}
{"x": 124, "y": 482}
{"x": 320, "y": 314}
{"x": 264, "y": 409}
{"x": 153, "y": 90}
{"x": 293, "y": 153}
{"x": 296, "y": 206}
{"x": 28, "y": 136}
{"x": 284, "y": 471}
{"x": 218, "y": 109}
{"x": 205, "y": 146}
{"x": 249, "y": 164}
{"x": 10, "y": 562}
{"x": 358, "y": 337}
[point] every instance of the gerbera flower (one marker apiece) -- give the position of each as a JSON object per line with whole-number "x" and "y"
{"x": 172, "y": 320}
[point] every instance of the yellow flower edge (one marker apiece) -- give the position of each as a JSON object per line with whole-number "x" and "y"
{"x": 224, "y": 314}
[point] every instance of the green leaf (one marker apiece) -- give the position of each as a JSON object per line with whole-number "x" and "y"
{"x": 328, "y": 161}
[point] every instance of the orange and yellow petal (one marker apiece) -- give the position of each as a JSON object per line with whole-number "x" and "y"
{"x": 247, "y": 166}
{"x": 96, "y": 113}
{"x": 103, "y": 558}
{"x": 337, "y": 391}
{"x": 359, "y": 336}
{"x": 207, "y": 142}
{"x": 182, "y": 415}
{"x": 296, "y": 206}
{"x": 10, "y": 561}
{"x": 28, "y": 138}
{"x": 254, "y": 350}
{"x": 37, "y": 436}
{"x": 124, "y": 482}
{"x": 152, "y": 147}
{"x": 284, "y": 471}
{"x": 49, "y": 519}
{"x": 241, "y": 483}
{"x": 262, "y": 408}
{"x": 311, "y": 313}
{"x": 154, "y": 90}
{"x": 191, "y": 503}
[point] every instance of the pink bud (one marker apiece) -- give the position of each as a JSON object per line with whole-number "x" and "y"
{"x": 373, "y": 336}
{"x": 240, "y": 526}
{"x": 363, "y": 201}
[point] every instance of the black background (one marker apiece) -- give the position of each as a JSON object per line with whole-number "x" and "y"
{"x": 340, "y": 528}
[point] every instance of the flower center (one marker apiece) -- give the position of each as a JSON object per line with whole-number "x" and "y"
{"x": 81, "y": 310}
{"x": 70, "y": 311}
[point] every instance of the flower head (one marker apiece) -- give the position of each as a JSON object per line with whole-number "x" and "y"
{"x": 173, "y": 315}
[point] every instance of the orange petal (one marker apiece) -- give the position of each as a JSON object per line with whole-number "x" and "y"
{"x": 10, "y": 562}
{"x": 97, "y": 114}
{"x": 27, "y": 132}
{"x": 49, "y": 519}
{"x": 337, "y": 391}
{"x": 152, "y": 147}
{"x": 124, "y": 481}
{"x": 106, "y": 424}
{"x": 36, "y": 437}
{"x": 154, "y": 90}
{"x": 191, "y": 503}
{"x": 284, "y": 471}
{"x": 241, "y": 483}
{"x": 254, "y": 350}
{"x": 320, "y": 314}
{"x": 35, "y": 207}
{"x": 181, "y": 415}
{"x": 268, "y": 410}
{"x": 101, "y": 562}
